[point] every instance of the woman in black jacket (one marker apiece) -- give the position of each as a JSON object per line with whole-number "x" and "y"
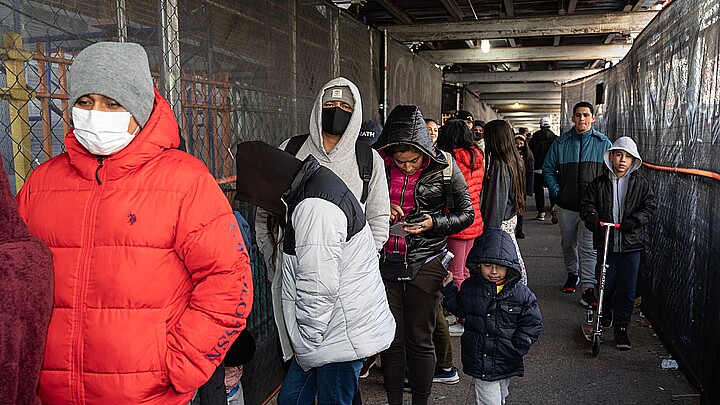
{"x": 428, "y": 203}
{"x": 503, "y": 196}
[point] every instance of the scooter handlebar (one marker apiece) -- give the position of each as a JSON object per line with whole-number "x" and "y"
{"x": 611, "y": 225}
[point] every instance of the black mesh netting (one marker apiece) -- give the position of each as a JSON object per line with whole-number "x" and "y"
{"x": 665, "y": 95}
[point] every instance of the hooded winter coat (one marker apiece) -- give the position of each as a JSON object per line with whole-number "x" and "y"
{"x": 626, "y": 199}
{"x": 26, "y": 290}
{"x": 405, "y": 125}
{"x": 152, "y": 279}
{"x": 499, "y": 327}
{"x": 572, "y": 162}
{"x": 333, "y": 298}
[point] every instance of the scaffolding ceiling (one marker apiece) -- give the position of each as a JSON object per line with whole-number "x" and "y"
{"x": 546, "y": 41}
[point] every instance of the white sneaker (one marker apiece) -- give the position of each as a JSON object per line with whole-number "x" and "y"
{"x": 456, "y": 330}
{"x": 540, "y": 216}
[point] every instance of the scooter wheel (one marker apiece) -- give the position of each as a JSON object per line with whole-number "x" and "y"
{"x": 596, "y": 345}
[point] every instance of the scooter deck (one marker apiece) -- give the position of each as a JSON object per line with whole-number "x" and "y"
{"x": 587, "y": 330}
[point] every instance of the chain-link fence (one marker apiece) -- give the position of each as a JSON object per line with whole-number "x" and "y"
{"x": 665, "y": 94}
{"x": 232, "y": 70}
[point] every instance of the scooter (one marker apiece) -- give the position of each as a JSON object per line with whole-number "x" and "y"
{"x": 592, "y": 327}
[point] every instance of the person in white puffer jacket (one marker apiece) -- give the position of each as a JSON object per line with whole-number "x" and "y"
{"x": 333, "y": 298}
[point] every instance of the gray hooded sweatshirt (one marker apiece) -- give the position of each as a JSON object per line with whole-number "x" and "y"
{"x": 620, "y": 184}
{"x": 343, "y": 162}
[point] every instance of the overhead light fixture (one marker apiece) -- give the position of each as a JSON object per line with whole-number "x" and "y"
{"x": 516, "y": 105}
{"x": 485, "y": 46}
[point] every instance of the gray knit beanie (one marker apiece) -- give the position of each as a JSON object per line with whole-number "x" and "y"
{"x": 117, "y": 70}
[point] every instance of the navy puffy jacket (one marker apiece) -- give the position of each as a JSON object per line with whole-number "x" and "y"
{"x": 499, "y": 328}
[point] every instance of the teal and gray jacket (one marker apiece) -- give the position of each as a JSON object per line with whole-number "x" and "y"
{"x": 572, "y": 162}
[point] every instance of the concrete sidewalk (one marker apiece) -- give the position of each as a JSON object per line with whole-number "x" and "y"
{"x": 560, "y": 368}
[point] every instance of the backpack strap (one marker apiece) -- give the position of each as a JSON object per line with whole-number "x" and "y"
{"x": 295, "y": 143}
{"x": 447, "y": 179}
{"x": 364, "y": 156}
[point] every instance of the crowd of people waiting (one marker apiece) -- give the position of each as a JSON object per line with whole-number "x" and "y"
{"x": 133, "y": 282}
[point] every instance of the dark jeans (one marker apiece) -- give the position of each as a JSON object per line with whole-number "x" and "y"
{"x": 620, "y": 282}
{"x": 540, "y": 193}
{"x": 334, "y": 383}
{"x": 520, "y": 222}
{"x": 441, "y": 340}
{"x": 414, "y": 304}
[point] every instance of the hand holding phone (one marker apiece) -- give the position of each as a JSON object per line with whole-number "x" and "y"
{"x": 424, "y": 225}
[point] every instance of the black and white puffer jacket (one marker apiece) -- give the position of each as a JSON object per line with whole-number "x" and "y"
{"x": 333, "y": 297}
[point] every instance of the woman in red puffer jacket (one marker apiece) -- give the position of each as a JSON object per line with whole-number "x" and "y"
{"x": 456, "y": 138}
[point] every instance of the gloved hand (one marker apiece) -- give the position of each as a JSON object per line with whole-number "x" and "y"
{"x": 592, "y": 222}
{"x": 628, "y": 225}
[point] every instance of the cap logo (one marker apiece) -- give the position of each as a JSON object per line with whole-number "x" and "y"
{"x": 336, "y": 93}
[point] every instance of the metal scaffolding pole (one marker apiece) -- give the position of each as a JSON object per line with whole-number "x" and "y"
{"x": 170, "y": 43}
{"x": 121, "y": 21}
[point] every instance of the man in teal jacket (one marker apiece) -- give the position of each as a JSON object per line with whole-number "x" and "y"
{"x": 572, "y": 162}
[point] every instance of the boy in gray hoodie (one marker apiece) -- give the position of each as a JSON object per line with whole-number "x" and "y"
{"x": 621, "y": 196}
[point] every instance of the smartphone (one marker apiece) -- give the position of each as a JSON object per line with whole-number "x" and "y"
{"x": 411, "y": 225}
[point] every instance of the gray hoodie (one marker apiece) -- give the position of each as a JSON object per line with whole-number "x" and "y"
{"x": 620, "y": 184}
{"x": 343, "y": 162}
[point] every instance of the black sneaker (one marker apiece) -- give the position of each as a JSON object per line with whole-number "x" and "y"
{"x": 571, "y": 283}
{"x": 588, "y": 298}
{"x": 621, "y": 339}
{"x": 607, "y": 319}
{"x": 446, "y": 376}
{"x": 367, "y": 365}
{"x": 519, "y": 235}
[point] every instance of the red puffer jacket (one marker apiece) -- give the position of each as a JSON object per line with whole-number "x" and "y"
{"x": 152, "y": 280}
{"x": 473, "y": 171}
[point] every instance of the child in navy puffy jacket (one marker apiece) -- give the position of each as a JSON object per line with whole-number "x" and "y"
{"x": 502, "y": 318}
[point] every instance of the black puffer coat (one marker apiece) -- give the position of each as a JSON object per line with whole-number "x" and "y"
{"x": 405, "y": 125}
{"x": 499, "y": 328}
{"x": 639, "y": 209}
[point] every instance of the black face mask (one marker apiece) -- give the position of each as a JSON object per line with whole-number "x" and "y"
{"x": 335, "y": 120}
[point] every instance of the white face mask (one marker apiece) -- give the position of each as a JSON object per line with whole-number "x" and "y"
{"x": 102, "y": 133}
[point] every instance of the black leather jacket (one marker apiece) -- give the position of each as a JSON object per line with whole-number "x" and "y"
{"x": 639, "y": 205}
{"x": 406, "y": 125}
